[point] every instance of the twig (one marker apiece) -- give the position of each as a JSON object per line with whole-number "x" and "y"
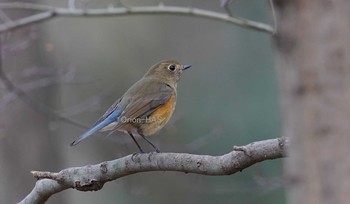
{"x": 93, "y": 177}
{"x": 71, "y": 4}
{"x": 275, "y": 22}
{"x": 226, "y": 5}
{"x": 51, "y": 12}
{"x": 35, "y": 105}
{"x": 27, "y": 6}
{"x": 4, "y": 17}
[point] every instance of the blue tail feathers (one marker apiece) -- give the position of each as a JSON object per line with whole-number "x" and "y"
{"x": 108, "y": 120}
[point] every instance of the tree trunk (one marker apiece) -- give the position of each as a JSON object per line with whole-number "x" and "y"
{"x": 313, "y": 62}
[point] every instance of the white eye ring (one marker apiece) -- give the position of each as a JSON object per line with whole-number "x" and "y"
{"x": 172, "y": 67}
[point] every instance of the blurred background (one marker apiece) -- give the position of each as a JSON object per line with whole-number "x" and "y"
{"x": 77, "y": 67}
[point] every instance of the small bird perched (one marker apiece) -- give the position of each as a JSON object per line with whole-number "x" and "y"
{"x": 145, "y": 107}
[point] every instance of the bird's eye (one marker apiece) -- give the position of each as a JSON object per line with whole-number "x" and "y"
{"x": 171, "y": 67}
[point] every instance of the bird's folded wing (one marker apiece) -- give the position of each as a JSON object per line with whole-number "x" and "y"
{"x": 139, "y": 107}
{"x": 143, "y": 107}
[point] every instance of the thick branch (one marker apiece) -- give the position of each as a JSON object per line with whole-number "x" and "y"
{"x": 49, "y": 12}
{"x": 93, "y": 177}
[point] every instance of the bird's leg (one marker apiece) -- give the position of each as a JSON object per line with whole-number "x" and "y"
{"x": 133, "y": 138}
{"x": 149, "y": 142}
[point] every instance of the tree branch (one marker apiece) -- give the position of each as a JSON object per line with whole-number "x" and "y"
{"x": 93, "y": 177}
{"x": 37, "y": 106}
{"x": 49, "y": 12}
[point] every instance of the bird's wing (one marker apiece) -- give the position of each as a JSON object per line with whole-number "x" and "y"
{"x": 144, "y": 106}
{"x": 143, "y": 101}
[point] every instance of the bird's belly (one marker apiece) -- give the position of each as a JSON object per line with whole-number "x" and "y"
{"x": 159, "y": 117}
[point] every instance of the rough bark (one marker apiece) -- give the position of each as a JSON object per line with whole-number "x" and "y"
{"x": 313, "y": 49}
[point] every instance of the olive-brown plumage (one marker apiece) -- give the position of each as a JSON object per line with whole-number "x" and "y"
{"x": 146, "y": 106}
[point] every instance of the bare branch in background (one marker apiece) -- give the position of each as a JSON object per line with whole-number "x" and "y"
{"x": 13, "y": 48}
{"x": 71, "y": 4}
{"x": 205, "y": 139}
{"x": 226, "y": 5}
{"x": 37, "y": 106}
{"x": 274, "y": 18}
{"x": 93, "y": 177}
{"x": 49, "y": 12}
{"x": 4, "y": 17}
{"x": 48, "y": 78}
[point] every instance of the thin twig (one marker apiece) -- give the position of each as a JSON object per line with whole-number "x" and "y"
{"x": 51, "y": 12}
{"x": 4, "y": 17}
{"x": 26, "y": 6}
{"x": 93, "y": 177}
{"x": 71, "y": 4}
{"x": 226, "y": 5}
{"x": 35, "y": 105}
{"x": 274, "y": 18}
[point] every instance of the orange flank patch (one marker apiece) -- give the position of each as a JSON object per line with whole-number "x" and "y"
{"x": 160, "y": 117}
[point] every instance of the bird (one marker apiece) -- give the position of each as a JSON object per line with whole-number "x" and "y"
{"x": 145, "y": 107}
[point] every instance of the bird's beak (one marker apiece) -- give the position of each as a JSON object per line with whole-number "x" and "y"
{"x": 185, "y": 67}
